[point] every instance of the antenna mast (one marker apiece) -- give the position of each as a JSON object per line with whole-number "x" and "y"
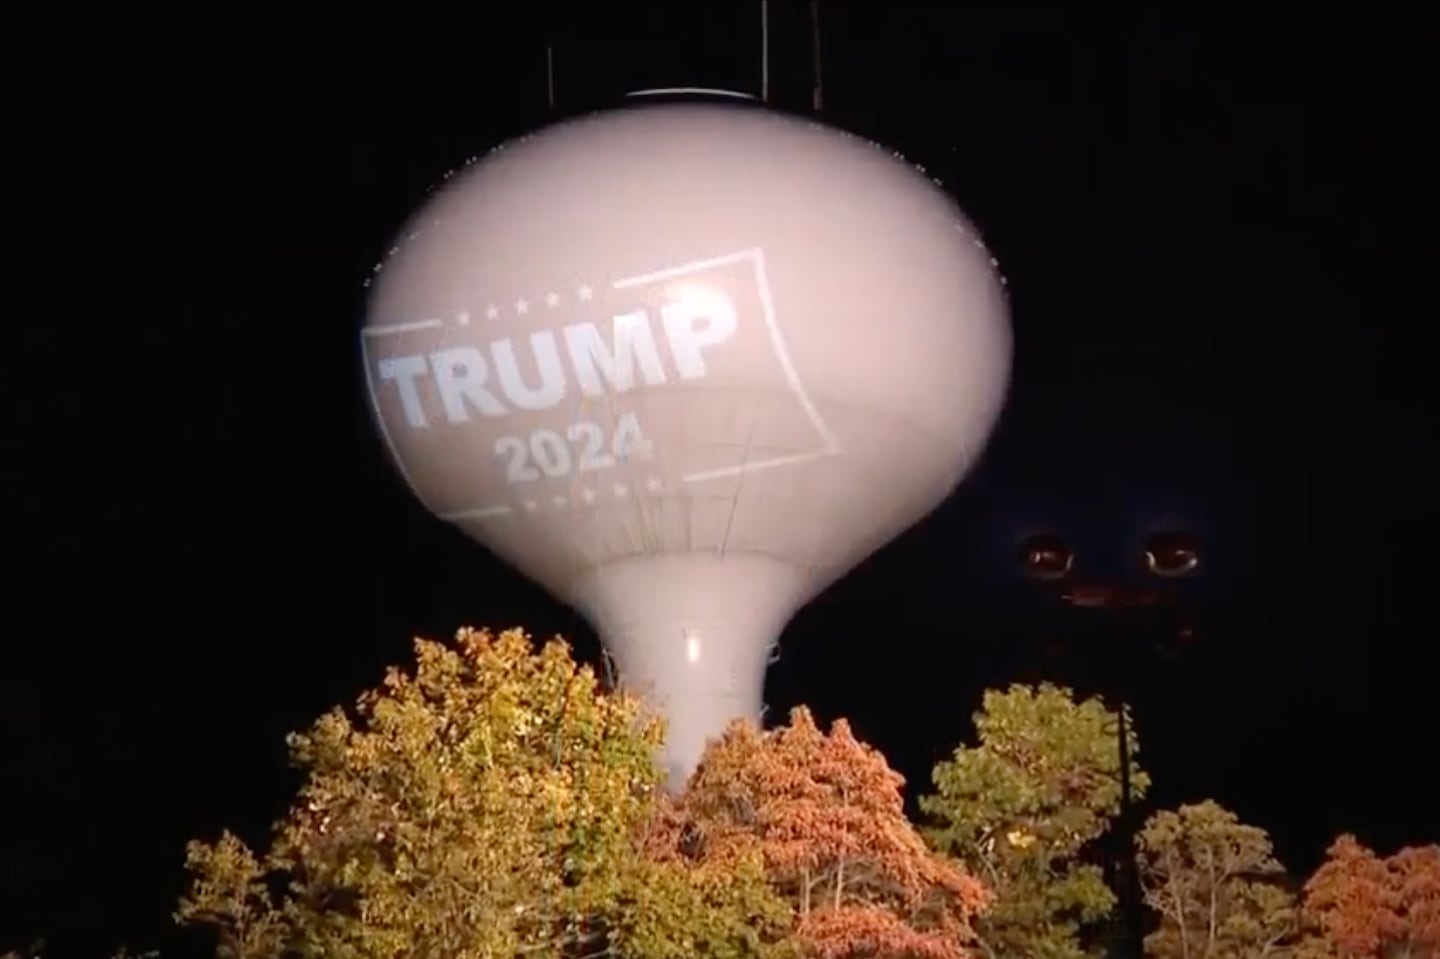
{"x": 765, "y": 51}
{"x": 550, "y": 74}
{"x": 817, "y": 89}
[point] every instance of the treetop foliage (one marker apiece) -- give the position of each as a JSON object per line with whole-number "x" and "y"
{"x": 1213, "y": 880}
{"x": 825, "y": 814}
{"x": 496, "y": 802}
{"x": 489, "y": 804}
{"x": 1020, "y": 808}
{"x": 1360, "y": 906}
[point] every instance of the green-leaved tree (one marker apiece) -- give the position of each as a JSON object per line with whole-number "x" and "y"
{"x": 1019, "y": 808}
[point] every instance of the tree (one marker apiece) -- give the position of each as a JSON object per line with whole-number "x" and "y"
{"x": 1359, "y": 906}
{"x": 1215, "y": 884}
{"x": 825, "y": 814}
{"x": 490, "y": 805}
{"x": 1019, "y": 809}
{"x": 31, "y": 951}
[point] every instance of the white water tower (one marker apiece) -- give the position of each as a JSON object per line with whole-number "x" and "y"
{"x": 685, "y": 365}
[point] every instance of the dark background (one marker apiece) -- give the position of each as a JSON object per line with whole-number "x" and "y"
{"x": 1215, "y": 221}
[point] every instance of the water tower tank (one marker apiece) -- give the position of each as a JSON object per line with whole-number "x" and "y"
{"x": 685, "y": 365}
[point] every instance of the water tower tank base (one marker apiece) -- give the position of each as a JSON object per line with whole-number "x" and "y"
{"x": 692, "y": 634}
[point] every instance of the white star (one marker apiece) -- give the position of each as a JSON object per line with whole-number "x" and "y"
{"x": 492, "y": 312}
{"x": 521, "y": 306}
{"x": 654, "y": 485}
{"x": 588, "y": 495}
{"x": 621, "y": 490}
{"x": 463, "y": 318}
{"x": 531, "y": 506}
{"x": 552, "y": 300}
{"x": 585, "y": 293}
{"x": 559, "y": 500}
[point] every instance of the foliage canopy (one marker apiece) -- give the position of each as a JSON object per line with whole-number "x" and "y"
{"x": 1360, "y": 906}
{"x": 1019, "y": 809}
{"x": 489, "y": 805}
{"x": 1216, "y": 885}
{"x": 824, "y": 813}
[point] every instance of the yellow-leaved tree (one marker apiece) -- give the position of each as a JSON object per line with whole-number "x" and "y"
{"x": 1216, "y": 886}
{"x": 490, "y": 805}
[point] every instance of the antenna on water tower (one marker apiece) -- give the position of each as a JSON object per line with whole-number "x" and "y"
{"x": 764, "y": 51}
{"x": 817, "y": 97}
{"x": 550, "y": 73}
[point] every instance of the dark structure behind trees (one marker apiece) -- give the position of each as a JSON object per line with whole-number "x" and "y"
{"x": 1103, "y": 636}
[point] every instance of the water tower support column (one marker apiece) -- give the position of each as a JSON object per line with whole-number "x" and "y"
{"x": 692, "y": 633}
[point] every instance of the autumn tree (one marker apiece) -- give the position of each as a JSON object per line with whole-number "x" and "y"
{"x": 1215, "y": 885}
{"x": 488, "y": 806}
{"x": 1019, "y": 809}
{"x": 1360, "y": 906}
{"x": 824, "y": 812}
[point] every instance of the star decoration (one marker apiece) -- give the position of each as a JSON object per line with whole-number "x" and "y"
{"x": 588, "y": 495}
{"x": 463, "y": 318}
{"x": 552, "y": 300}
{"x": 531, "y": 506}
{"x": 585, "y": 293}
{"x": 492, "y": 312}
{"x": 522, "y": 307}
{"x": 654, "y": 485}
{"x": 621, "y": 490}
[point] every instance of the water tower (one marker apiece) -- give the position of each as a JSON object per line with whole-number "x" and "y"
{"x": 685, "y": 364}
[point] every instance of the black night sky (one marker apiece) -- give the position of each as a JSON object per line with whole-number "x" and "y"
{"x": 1211, "y": 218}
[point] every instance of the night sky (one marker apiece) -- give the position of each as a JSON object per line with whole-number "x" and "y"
{"x": 1214, "y": 221}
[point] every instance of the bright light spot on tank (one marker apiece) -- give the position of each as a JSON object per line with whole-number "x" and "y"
{"x": 692, "y": 647}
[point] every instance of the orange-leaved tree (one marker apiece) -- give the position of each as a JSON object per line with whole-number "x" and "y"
{"x": 826, "y": 815}
{"x": 1360, "y": 906}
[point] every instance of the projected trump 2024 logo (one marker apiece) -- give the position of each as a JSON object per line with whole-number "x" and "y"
{"x": 592, "y": 392}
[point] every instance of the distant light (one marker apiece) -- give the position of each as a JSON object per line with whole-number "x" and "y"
{"x": 1172, "y": 555}
{"x": 692, "y": 647}
{"x": 1046, "y": 557}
